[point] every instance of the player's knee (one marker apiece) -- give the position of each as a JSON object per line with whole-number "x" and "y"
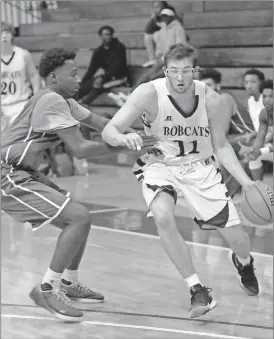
{"x": 78, "y": 215}
{"x": 163, "y": 216}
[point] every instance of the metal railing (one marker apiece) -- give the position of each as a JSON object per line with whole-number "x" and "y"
{"x": 24, "y": 12}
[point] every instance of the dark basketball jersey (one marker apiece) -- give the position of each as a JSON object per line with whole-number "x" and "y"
{"x": 35, "y": 130}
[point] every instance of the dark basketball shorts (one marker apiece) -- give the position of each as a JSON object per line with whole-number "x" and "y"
{"x": 29, "y": 196}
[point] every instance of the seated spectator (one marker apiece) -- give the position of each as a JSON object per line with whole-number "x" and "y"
{"x": 262, "y": 148}
{"x": 252, "y": 81}
{"x": 108, "y": 68}
{"x": 172, "y": 33}
{"x": 233, "y": 122}
{"x": 152, "y": 27}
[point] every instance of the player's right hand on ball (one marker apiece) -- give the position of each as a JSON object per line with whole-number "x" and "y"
{"x": 132, "y": 141}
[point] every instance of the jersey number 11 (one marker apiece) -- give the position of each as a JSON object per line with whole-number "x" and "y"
{"x": 184, "y": 149}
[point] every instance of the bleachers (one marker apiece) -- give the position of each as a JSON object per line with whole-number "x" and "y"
{"x": 230, "y": 36}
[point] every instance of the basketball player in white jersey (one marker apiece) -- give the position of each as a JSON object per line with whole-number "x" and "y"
{"x": 185, "y": 115}
{"x": 19, "y": 77}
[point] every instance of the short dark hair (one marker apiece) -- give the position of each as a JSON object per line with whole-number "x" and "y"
{"x": 109, "y": 28}
{"x": 166, "y": 5}
{"x": 266, "y": 84}
{"x": 211, "y": 73}
{"x": 54, "y": 58}
{"x": 254, "y": 71}
{"x": 179, "y": 52}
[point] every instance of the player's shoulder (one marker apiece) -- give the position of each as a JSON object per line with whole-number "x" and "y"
{"x": 20, "y": 50}
{"x": 49, "y": 99}
{"x": 145, "y": 91}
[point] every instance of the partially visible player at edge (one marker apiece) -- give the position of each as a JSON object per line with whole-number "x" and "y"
{"x": 19, "y": 77}
{"x": 48, "y": 118}
{"x": 186, "y": 116}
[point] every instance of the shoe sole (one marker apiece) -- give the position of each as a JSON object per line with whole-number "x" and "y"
{"x": 201, "y": 310}
{"x": 239, "y": 277}
{"x": 85, "y": 300}
{"x": 55, "y": 314}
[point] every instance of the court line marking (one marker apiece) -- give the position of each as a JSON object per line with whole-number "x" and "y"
{"x": 151, "y": 236}
{"x": 155, "y": 316}
{"x": 108, "y": 210}
{"x": 136, "y": 327}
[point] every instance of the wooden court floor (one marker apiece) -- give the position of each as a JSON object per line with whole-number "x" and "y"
{"x": 145, "y": 295}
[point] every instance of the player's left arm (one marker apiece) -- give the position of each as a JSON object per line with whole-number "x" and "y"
{"x": 222, "y": 148}
{"x": 32, "y": 73}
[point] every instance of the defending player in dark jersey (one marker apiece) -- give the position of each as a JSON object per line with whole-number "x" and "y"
{"x": 48, "y": 118}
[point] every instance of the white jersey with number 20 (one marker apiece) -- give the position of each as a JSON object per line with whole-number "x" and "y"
{"x": 184, "y": 138}
{"x": 15, "y": 86}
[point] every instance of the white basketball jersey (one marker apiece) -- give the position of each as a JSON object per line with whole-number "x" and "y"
{"x": 14, "y": 83}
{"x": 183, "y": 138}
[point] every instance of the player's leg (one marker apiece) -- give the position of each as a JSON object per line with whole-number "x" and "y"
{"x": 159, "y": 195}
{"x": 28, "y": 200}
{"x": 74, "y": 289}
{"x": 214, "y": 209}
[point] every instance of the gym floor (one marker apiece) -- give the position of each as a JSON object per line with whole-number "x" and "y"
{"x": 145, "y": 295}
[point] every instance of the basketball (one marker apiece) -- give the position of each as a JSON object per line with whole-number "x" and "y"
{"x": 257, "y": 204}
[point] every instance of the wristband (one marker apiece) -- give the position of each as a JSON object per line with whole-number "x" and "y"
{"x": 265, "y": 150}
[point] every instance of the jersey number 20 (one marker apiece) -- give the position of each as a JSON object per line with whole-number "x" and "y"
{"x": 184, "y": 149}
{"x": 8, "y": 88}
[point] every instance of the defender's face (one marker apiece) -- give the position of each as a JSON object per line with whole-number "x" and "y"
{"x": 268, "y": 98}
{"x": 180, "y": 74}
{"x": 6, "y": 37}
{"x": 252, "y": 84}
{"x": 67, "y": 79}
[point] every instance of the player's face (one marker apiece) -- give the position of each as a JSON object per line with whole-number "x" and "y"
{"x": 6, "y": 37}
{"x": 268, "y": 98}
{"x": 106, "y": 36}
{"x": 252, "y": 84}
{"x": 67, "y": 79}
{"x": 180, "y": 74}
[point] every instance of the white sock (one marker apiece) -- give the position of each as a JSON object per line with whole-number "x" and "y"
{"x": 70, "y": 275}
{"x": 52, "y": 278}
{"x": 245, "y": 261}
{"x": 193, "y": 280}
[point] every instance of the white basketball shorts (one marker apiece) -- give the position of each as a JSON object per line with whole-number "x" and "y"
{"x": 199, "y": 184}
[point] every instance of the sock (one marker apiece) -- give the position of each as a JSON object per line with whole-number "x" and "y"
{"x": 245, "y": 261}
{"x": 70, "y": 276}
{"x": 193, "y": 280}
{"x": 51, "y": 278}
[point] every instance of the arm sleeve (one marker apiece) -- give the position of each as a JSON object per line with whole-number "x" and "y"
{"x": 119, "y": 64}
{"x": 180, "y": 34}
{"x": 93, "y": 67}
{"x": 52, "y": 113}
{"x": 78, "y": 112}
{"x": 151, "y": 27}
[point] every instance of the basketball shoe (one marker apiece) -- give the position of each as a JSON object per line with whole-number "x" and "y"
{"x": 78, "y": 292}
{"x": 246, "y": 275}
{"x": 56, "y": 302}
{"x": 201, "y": 301}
